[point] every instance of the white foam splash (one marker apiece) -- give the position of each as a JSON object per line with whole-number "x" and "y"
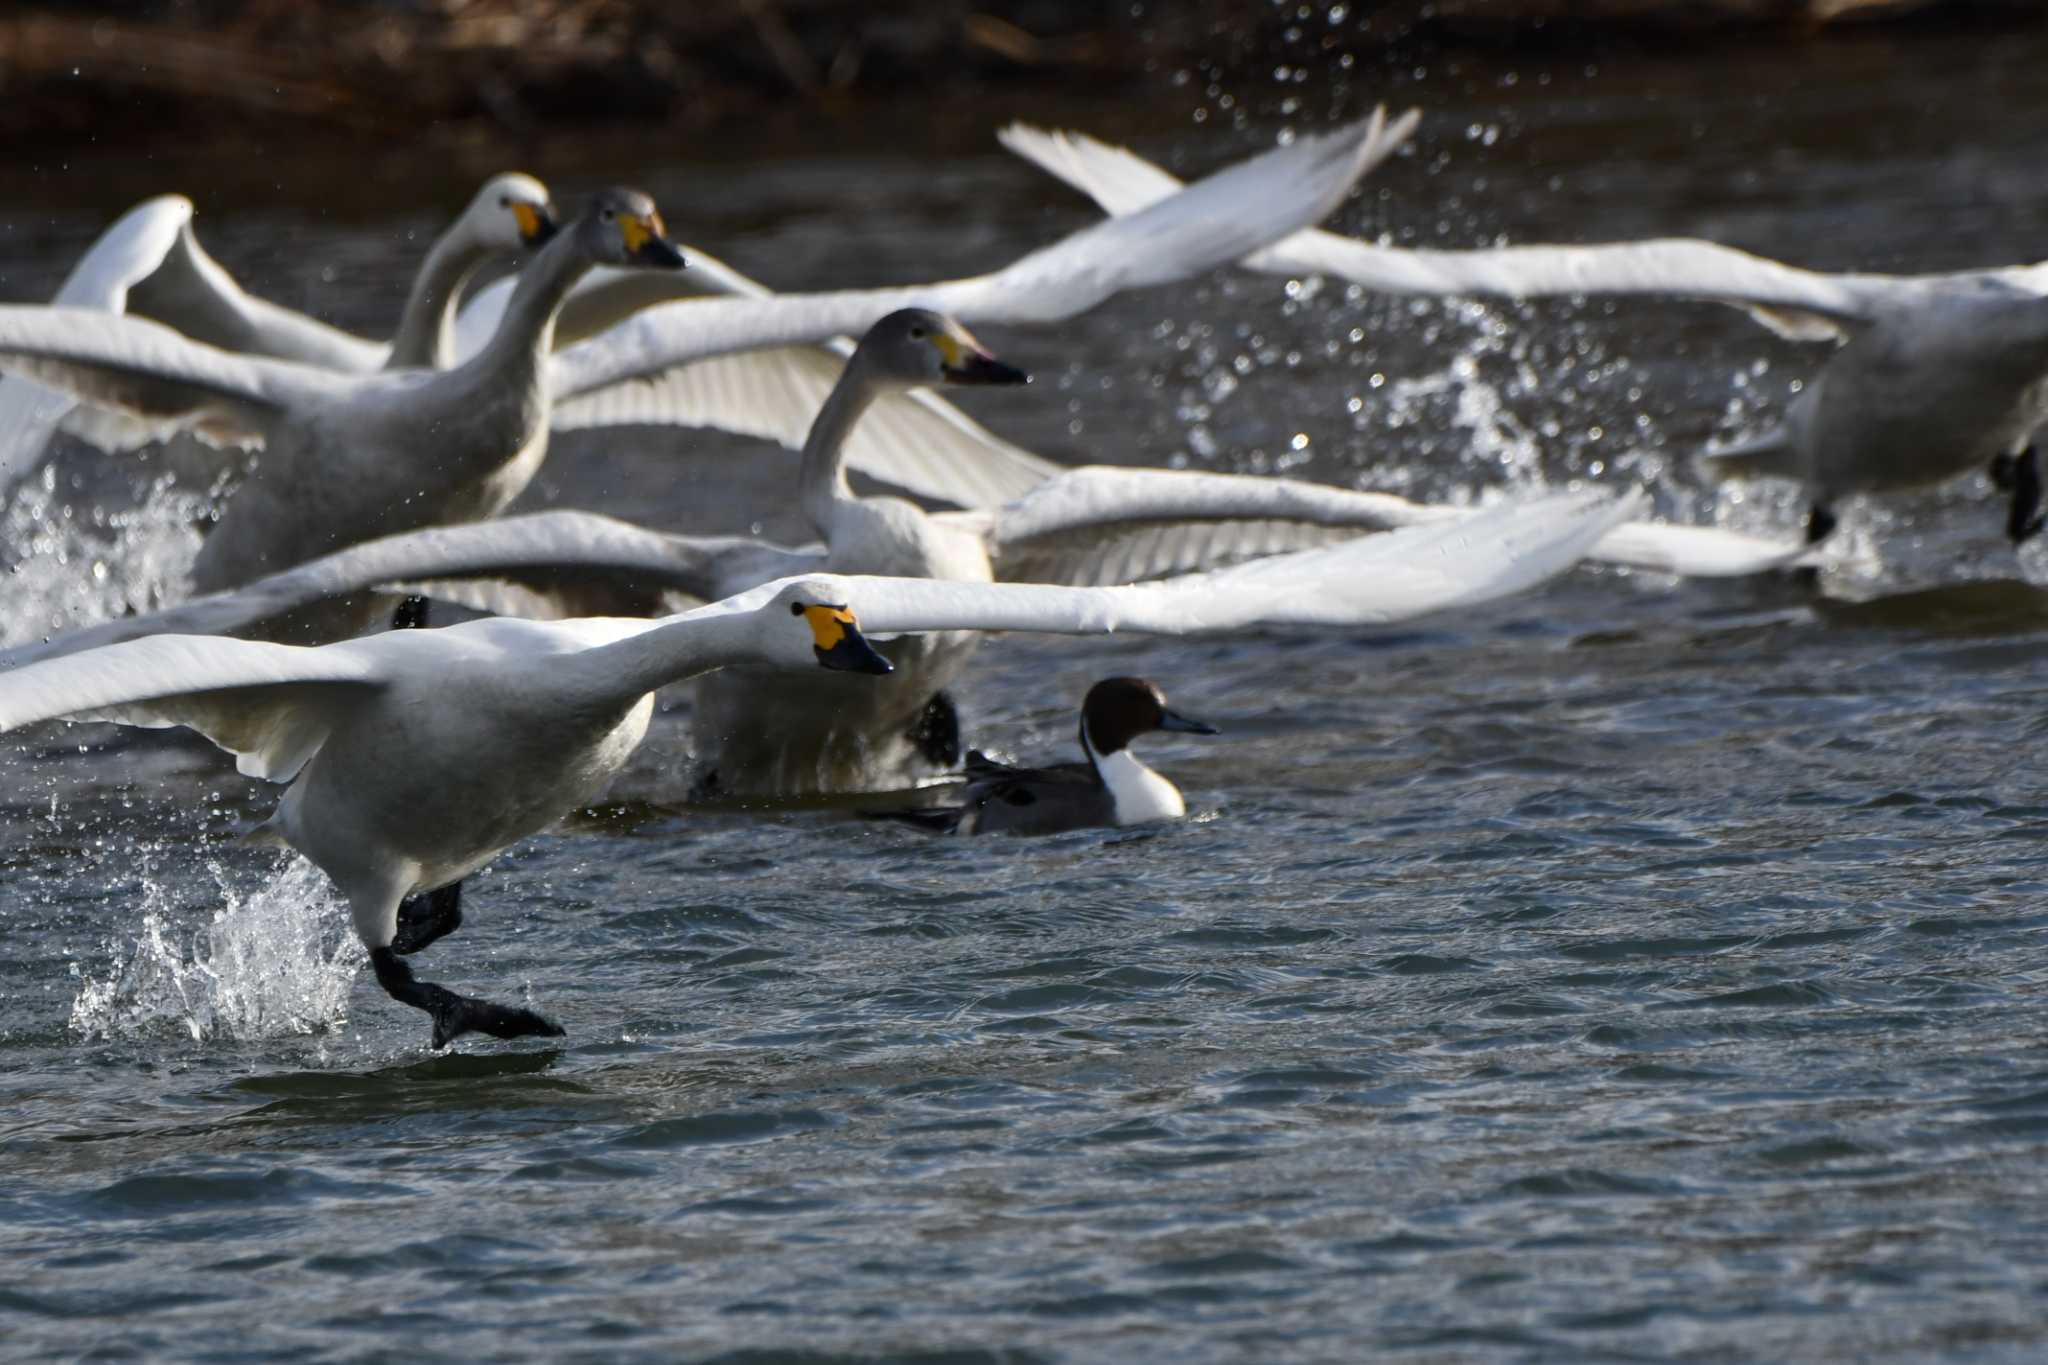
{"x": 276, "y": 962}
{"x": 74, "y": 567}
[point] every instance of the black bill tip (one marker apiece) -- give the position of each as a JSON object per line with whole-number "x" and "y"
{"x": 853, "y": 654}
{"x": 660, "y": 253}
{"x": 976, "y": 368}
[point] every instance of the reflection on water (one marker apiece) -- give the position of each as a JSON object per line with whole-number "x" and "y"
{"x": 1637, "y": 969}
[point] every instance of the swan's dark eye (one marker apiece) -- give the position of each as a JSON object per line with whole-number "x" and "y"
{"x": 796, "y": 609}
{"x": 504, "y": 201}
{"x": 608, "y": 215}
{"x": 917, "y": 334}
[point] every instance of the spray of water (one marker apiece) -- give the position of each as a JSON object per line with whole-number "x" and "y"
{"x": 75, "y": 566}
{"x": 271, "y": 963}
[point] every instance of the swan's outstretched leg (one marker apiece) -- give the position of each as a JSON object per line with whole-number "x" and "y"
{"x": 1820, "y": 523}
{"x": 936, "y": 731}
{"x": 2023, "y": 478}
{"x": 373, "y": 903}
{"x": 425, "y": 918}
{"x": 455, "y": 1015}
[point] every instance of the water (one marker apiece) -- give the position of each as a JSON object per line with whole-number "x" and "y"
{"x": 1634, "y": 970}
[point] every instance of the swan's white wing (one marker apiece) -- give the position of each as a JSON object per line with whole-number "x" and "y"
{"x": 1105, "y": 525}
{"x": 1213, "y": 222}
{"x": 1102, "y": 525}
{"x": 600, "y": 300}
{"x": 148, "y": 369}
{"x": 124, "y": 254}
{"x": 270, "y": 705}
{"x": 1797, "y": 303}
{"x": 1369, "y": 580}
{"x": 912, "y": 440}
{"x": 555, "y": 559}
{"x": 192, "y": 293}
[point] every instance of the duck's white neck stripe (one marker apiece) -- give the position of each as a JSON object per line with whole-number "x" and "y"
{"x": 1136, "y": 793}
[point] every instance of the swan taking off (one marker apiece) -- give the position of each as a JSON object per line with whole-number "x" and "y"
{"x": 149, "y": 264}
{"x": 345, "y": 456}
{"x": 415, "y": 756}
{"x": 1943, "y": 375}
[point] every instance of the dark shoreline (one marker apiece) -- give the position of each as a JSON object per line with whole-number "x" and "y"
{"x": 245, "y": 72}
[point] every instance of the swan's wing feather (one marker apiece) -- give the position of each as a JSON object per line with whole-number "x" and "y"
{"x": 270, "y": 705}
{"x": 194, "y": 294}
{"x": 912, "y": 440}
{"x": 1697, "y": 551}
{"x": 1101, "y": 525}
{"x": 916, "y": 440}
{"x": 123, "y": 255}
{"x": 1363, "y": 581}
{"x": 1110, "y": 525}
{"x": 604, "y": 298}
{"x": 579, "y": 558}
{"x": 1802, "y": 304}
{"x": 148, "y": 369}
{"x": 1211, "y": 223}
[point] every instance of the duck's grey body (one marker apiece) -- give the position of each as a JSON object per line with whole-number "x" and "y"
{"x": 1001, "y": 799}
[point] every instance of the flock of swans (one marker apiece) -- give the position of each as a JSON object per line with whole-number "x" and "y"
{"x": 354, "y": 476}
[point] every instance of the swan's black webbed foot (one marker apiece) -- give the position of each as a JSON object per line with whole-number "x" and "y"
{"x": 2023, "y": 479}
{"x": 936, "y": 731}
{"x": 1820, "y": 523}
{"x": 2003, "y": 467}
{"x": 425, "y": 918}
{"x": 411, "y": 614}
{"x": 455, "y": 1015}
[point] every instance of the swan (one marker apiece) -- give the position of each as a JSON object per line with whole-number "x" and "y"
{"x": 414, "y": 756}
{"x": 1113, "y": 787}
{"x": 346, "y": 456}
{"x": 150, "y": 264}
{"x": 1943, "y": 374}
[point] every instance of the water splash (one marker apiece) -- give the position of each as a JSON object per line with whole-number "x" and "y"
{"x": 271, "y": 963}
{"x": 74, "y": 566}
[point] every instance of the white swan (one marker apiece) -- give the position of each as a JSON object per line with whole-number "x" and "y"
{"x": 346, "y": 456}
{"x": 149, "y": 264}
{"x": 417, "y": 755}
{"x": 1943, "y": 373}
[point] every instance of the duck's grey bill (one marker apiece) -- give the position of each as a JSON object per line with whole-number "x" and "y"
{"x": 1174, "y": 720}
{"x": 853, "y": 654}
{"x": 985, "y": 369}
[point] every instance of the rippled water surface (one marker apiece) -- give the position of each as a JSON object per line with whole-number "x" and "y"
{"x": 1632, "y": 970}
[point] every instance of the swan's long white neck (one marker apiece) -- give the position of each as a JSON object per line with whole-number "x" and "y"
{"x": 626, "y": 670}
{"x": 426, "y": 329}
{"x": 822, "y": 484}
{"x": 1136, "y": 793}
{"x": 526, "y": 331}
